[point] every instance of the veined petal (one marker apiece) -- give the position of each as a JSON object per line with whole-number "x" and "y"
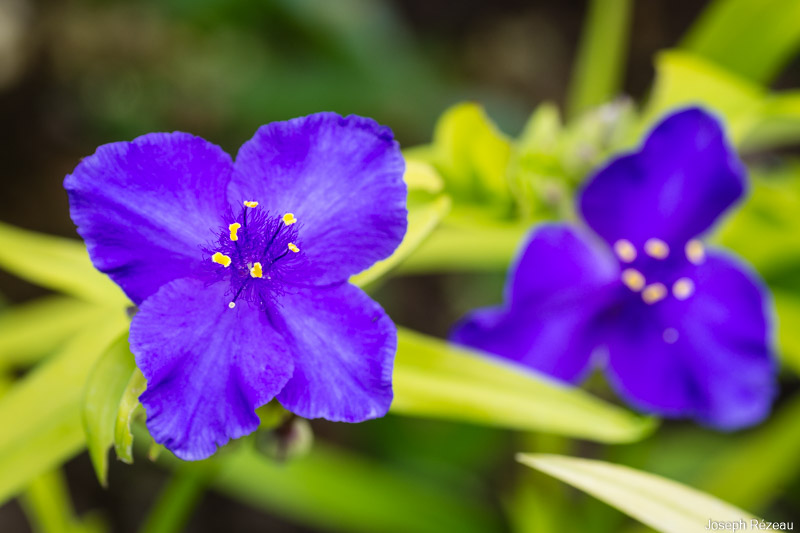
{"x": 555, "y": 289}
{"x": 344, "y": 346}
{"x": 673, "y": 189}
{"x": 341, "y": 177}
{"x": 208, "y": 367}
{"x": 146, "y": 207}
{"x": 707, "y": 357}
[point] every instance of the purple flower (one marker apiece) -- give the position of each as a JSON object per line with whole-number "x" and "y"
{"x": 240, "y": 271}
{"x": 683, "y": 331}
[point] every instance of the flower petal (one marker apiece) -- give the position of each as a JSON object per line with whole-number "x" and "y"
{"x": 707, "y": 357}
{"x": 555, "y": 289}
{"x": 344, "y": 346}
{"x": 673, "y": 189}
{"x": 145, "y": 207}
{"x": 342, "y": 178}
{"x": 208, "y": 367}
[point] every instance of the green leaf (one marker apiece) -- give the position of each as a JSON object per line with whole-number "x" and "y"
{"x": 422, "y": 176}
{"x": 55, "y": 263}
{"x": 788, "y": 307}
{"x": 658, "y": 502}
{"x": 177, "y": 500}
{"x": 684, "y": 79}
{"x": 123, "y": 438}
{"x": 102, "y": 396}
{"x": 754, "y": 469}
{"x": 33, "y": 330}
{"x": 472, "y": 155}
{"x": 47, "y": 504}
{"x": 600, "y": 64}
{"x": 466, "y": 241}
{"x": 422, "y": 219}
{"x": 777, "y": 123}
{"x": 435, "y": 379}
{"x": 337, "y": 490}
{"x": 771, "y": 30}
{"x": 41, "y": 414}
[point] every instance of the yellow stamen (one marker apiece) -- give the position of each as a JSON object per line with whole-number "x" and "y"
{"x": 289, "y": 219}
{"x": 232, "y": 305}
{"x": 633, "y": 279}
{"x": 695, "y": 252}
{"x": 221, "y": 259}
{"x": 655, "y": 292}
{"x": 625, "y": 251}
{"x": 293, "y": 247}
{"x": 255, "y": 270}
{"x": 683, "y": 288}
{"x": 250, "y": 204}
{"x": 656, "y": 248}
{"x": 234, "y": 229}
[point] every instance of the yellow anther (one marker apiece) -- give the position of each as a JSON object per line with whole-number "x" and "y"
{"x": 232, "y": 305}
{"x": 293, "y": 247}
{"x": 625, "y": 251}
{"x": 633, "y": 279}
{"x": 695, "y": 252}
{"x": 656, "y": 248}
{"x": 255, "y": 270}
{"x": 234, "y": 229}
{"x": 221, "y": 259}
{"x": 289, "y": 219}
{"x": 683, "y": 288}
{"x": 250, "y": 204}
{"x": 655, "y": 292}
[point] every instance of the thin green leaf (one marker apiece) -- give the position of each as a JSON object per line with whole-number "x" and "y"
{"x": 336, "y": 490}
{"x": 777, "y": 124}
{"x": 788, "y": 306}
{"x": 658, "y": 502}
{"x": 771, "y": 30}
{"x": 40, "y": 414}
{"x": 56, "y": 263}
{"x": 422, "y": 176}
{"x": 123, "y": 437}
{"x": 32, "y": 330}
{"x": 600, "y": 64}
{"x": 47, "y": 504}
{"x": 422, "y": 219}
{"x": 466, "y": 241}
{"x": 435, "y": 379}
{"x": 102, "y": 395}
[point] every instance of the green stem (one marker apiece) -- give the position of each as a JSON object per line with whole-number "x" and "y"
{"x": 599, "y": 67}
{"x": 177, "y": 501}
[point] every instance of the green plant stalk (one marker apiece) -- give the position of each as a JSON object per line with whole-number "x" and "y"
{"x": 599, "y": 67}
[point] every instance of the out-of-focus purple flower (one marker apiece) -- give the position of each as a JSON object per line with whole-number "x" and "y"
{"x": 683, "y": 331}
{"x": 240, "y": 271}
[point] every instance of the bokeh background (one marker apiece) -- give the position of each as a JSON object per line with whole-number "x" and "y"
{"x": 78, "y": 73}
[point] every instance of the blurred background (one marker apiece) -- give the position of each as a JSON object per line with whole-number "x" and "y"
{"x": 75, "y": 74}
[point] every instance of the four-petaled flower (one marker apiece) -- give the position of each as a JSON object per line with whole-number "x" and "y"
{"x": 683, "y": 331}
{"x": 240, "y": 271}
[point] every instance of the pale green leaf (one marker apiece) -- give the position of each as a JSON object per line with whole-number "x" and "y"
{"x": 660, "y": 503}
{"x": 777, "y": 123}
{"x": 55, "y": 263}
{"x": 422, "y": 176}
{"x": 123, "y": 437}
{"x": 422, "y": 219}
{"x": 41, "y": 415}
{"x": 753, "y": 38}
{"x": 102, "y": 395}
{"x": 32, "y": 330}
{"x": 683, "y": 79}
{"x": 336, "y": 490}
{"x": 471, "y": 154}
{"x": 788, "y": 306}
{"x": 435, "y": 379}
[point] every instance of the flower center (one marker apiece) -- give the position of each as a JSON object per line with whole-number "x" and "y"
{"x": 652, "y": 273}
{"x": 254, "y": 252}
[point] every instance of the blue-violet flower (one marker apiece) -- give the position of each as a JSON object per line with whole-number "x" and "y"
{"x": 684, "y": 331}
{"x": 240, "y": 271}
